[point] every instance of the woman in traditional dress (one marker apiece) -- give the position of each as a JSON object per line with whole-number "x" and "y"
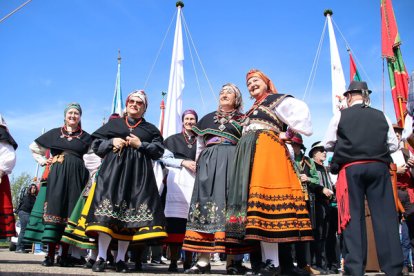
{"x": 67, "y": 177}
{"x": 266, "y": 203}
{"x": 179, "y": 158}
{"x": 75, "y": 230}
{"x": 218, "y": 133}
{"x": 125, "y": 204}
{"x": 7, "y": 163}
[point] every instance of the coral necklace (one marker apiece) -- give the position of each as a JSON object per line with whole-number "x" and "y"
{"x": 69, "y": 135}
{"x": 131, "y": 128}
{"x": 256, "y": 105}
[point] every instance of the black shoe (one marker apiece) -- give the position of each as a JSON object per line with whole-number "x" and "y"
{"x": 158, "y": 262}
{"x": 48, "y": 261}
{"x": 197, "y": 269}
{"x": 255, "y": 269}
{"x": 186, "y": 265}
{"x": 137, "y": 267}
{"x": 99, "y": 265}
{"x": 294, "y": 271}
{"x": 173, "y": 267}
{"x": 79, "y": 262}
{"x": 269, "y": 269}
{"x": 89, "y": 263}
{"x": 236, "y": 268}
{"x": 333, "y": 271}
{"x": 122, "y": 267}
{"x": 65, "y": 262}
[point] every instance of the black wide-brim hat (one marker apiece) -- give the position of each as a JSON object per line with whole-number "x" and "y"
{"x": 357, "y": 86}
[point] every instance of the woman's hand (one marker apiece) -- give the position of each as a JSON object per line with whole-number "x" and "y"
{"x": 133, "y": 141}
{"x": 190, "y": 165}
{"x": 304, "y": 178}
{"x": 328, "y": 193}
{"x": 118, "y": 143}
{"x": 1, "y": 175}
{"x": 48, "y": 161}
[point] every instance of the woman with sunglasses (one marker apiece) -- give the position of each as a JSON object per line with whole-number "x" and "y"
{"x": 125, "y": 204}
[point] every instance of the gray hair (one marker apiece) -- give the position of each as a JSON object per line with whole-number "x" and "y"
{"x": 366, "y": 100}
{"x": 234, "y": 89}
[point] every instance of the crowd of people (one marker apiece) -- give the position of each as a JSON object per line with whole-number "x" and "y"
{"x": 234, "y": 183}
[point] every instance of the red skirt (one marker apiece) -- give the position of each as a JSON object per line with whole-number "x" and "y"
{"x": 7, "y": 222}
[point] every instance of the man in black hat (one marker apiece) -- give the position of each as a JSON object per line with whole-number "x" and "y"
{"x": 362, "y": 139}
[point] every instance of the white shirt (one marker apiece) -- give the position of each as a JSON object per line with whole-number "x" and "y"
{"x": 331, "y": 137}
{"x": 7, "y": 158}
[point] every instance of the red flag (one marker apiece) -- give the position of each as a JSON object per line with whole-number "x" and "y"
{"x": 396, "y": 69}
{"x": 354, "y": 75}
{"x": 389, "y": 30}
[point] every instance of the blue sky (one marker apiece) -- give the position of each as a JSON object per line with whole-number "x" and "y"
{"x": 56, "y": 52}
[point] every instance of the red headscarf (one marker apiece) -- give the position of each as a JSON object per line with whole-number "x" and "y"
{"x": 257, "y": 73}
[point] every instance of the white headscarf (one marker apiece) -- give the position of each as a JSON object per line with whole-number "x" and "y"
{"x": 140, "y": 94}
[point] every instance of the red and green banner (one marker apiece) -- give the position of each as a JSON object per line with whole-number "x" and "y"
{"x": 396, "y": 69}
{"x": 354, "y": 74}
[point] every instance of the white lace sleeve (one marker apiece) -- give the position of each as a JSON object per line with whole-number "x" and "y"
{"x": 38, "y": 153}
{"x": 92, "y": 162}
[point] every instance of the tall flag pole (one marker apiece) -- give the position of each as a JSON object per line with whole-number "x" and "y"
{"x": 391, "y": 51}
{"x": 117, "y": 100}
{"x": 173, "y": 109}
{"x": 354, "y": 74}
{"x": 337, "y": 74}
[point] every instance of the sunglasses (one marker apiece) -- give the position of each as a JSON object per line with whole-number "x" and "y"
{"x": 139, "y": 103}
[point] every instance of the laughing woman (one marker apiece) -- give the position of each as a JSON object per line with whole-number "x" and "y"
{"x": 125, "y": 204}
{"x": 7, "y": 163}
{"x": 266, "y": 203}
{"x": 67, "y": 178}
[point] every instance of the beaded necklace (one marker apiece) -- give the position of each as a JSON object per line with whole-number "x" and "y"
{"x": 131, "y": 128}
{"x": 69, "y": 135}
{"x": 187, "y": 140}
{"x": 223, "y": 117}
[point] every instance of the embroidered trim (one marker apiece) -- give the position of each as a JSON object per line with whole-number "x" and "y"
{"x": 207, "y": 217}
{"x": 218, "y": 133}
{"x": 122, "y": 213}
